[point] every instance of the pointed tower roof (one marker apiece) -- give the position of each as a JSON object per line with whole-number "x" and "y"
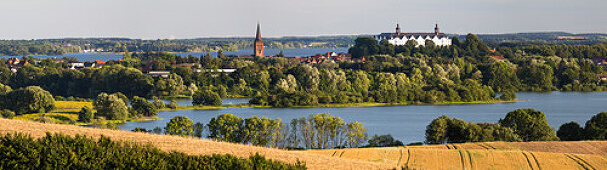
{"x": 258, "y": 37}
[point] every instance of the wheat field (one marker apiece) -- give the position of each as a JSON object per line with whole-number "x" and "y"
{"x": 488, "y": 155}
{"x": 190, "y": 145}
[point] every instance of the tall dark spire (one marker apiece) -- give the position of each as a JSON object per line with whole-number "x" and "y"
{"x": 258, "y": 37}
{"x": 258, "y": 44}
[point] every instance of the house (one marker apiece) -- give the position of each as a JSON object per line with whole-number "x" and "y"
{"x": 99, "y": 64}
{"x": 602, "y": 77}
{"x": 76, "y": 66}
{"x": 163, "y": 74}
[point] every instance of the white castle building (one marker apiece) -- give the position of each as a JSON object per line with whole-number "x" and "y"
{"x": 401, "y": 38}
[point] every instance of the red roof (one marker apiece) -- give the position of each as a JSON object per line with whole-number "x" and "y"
{"x": 498, "y": 57}
{"x": 99, "y": 62}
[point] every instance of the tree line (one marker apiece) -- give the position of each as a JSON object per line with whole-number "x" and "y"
{"x": 317, "y": 131}
{"x": 522, "y": 125}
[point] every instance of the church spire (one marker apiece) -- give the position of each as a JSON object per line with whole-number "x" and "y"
{"x": 258, "y": 37}
{"x": 258, "y": 44}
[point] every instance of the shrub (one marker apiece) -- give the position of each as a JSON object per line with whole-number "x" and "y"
{"x": 85, "y": 115}
{"x": 57, "y": 151}
{"x": 570, "y": 132}
{"x": 206, "y": 97}
{"x": 159, "y": 104}
{"x": 596, "y": 127}
{"x": 8, "y": 114}
{"x": 143, "y": 107}
{"x": 180, "y": 125}
{"x": 172, "y": 105}
{"x": 384, "y": 141}
{"x": 44, "y": 120}
{"x": 111, "y": 107}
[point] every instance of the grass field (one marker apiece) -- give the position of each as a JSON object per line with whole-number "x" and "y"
{"x": 66, "y": 112}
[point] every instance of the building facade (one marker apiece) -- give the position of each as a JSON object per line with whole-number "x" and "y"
{"x": 258, "y": 44}
{"x": 401, "y": 38}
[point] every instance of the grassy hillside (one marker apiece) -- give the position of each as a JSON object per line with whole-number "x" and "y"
{"x": 190, "y": 145}
{"x": 491, "y": 155}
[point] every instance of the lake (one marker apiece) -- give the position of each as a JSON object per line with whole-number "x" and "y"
{"x": 294, "y": 52}
{"x": 408, "y": 123}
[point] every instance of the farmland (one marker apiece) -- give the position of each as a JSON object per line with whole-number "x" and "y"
{"x": 489, "y": 155}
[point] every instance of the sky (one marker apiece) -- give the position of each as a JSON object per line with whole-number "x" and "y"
{"x": 184, "y": 19}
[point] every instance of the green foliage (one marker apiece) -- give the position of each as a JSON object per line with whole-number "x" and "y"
{"x": 206, "y": 97}
{"x": 85, "y": 115}
{"x": 143, "y": 107}
{"x": 198, "y": 129}
{"x": 571, "y": 131}
{"x": 172, "y": 105}
{"x": 596, "y": 127}
{"x": 383, "y": 141}
{"x": 446, "y": 130}
{"x": 226, "y": 127}
{"x": 530, "y": 124}
{"x": 111, "y": 107}
{"x": 7, "y": 114}
{"x": 180, "y": 125}
{"x": 31, "y": 99}
{"x": 57, "y": 151}
{"x": 158, "y": 104}
{"x": 364, "y": 46}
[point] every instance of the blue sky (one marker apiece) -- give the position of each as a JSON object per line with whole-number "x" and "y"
{"x": 161, "y": 19}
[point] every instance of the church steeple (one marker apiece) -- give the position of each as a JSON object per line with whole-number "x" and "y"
{"x": 258, "y": 43}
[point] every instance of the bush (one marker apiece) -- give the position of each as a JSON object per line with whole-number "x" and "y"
{"x": 206, "y": 97}
{"x": 384, "y": 141}
{"x": 180, "y": 125}
{"x": 8, "y": 114}
{"x": 159, "y": 104}
{"x": 172, "y": 105}
{"x": 31, "y": 99}
{"x": 596, "y": 127}
{"x": 143, "y": 107}
{"x": 85, "y": 115}
{"x": 529, "y": 124}
{"x": 57, "y": 151}
{"x": 111, "y": 107}
{"x": 44, "y": 120}
{"x": 570, "y": 132}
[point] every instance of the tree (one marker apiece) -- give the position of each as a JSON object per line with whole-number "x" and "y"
{"x": 179, "y": 125}
{"x": 172, "y": 105}
{"x": 143, "y": 107}
{"x": 356, "y": 134}
{"x": 85, "y": 115}
{"x": 501, "y": 77}
{"x": 5, "y": 89}
{"x": 571, "y": 131}
{"x": 111, "y": 107}
{"x": 384, "y": 141}
{"x": 158, "y": 104}
{"x": 364, "y": 46}
{"x": 436, "y": 131}
{"x": 226, "y": 127}
{"x": 596, "y": 127}
{"x": 530, "y": 124}
{"x": 31, "y": 99}
{"x": 206, "y": 97}
{"x": 198, "y": 129}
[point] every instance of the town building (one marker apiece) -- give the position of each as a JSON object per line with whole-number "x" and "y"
{"x": 258, "y": 44}
{"x": 401, "y": 38}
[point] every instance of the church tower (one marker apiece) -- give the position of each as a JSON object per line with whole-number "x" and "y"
{"x": 436, "y": 31}
{"x": 258, "y": 44}
{"x": 397, "y": 29}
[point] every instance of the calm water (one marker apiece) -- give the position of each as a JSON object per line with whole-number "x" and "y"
{"x": 116, "y": 56}
{"x": 408, "y": 123}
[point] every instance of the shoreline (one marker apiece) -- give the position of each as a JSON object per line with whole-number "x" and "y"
{"x": 373, "y": 104}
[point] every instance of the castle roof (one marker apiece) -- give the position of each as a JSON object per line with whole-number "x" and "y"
{"x": 408, "y": 35}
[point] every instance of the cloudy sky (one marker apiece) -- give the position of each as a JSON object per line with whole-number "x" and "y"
{"x": 161, "y": 19}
